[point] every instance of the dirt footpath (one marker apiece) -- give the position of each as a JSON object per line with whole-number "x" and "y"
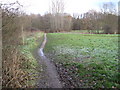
{"x": 49, "y": 77}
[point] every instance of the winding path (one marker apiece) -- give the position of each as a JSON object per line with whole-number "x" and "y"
{"x": 53, "y": 77}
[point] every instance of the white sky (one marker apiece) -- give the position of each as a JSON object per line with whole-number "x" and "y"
{"x": 71, "y": 6}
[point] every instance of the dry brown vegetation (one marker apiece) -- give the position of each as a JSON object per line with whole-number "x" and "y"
{"x": 13, "y": 75}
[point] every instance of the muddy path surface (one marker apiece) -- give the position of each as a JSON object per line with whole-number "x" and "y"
{"x": 49, "y": 78}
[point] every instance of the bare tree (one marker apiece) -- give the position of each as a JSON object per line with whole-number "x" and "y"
{"x": 108, "y": 7}
{"x": 68, "y": 22}
{"x": 57, "y": 18}
{"x": 109, "y": 16}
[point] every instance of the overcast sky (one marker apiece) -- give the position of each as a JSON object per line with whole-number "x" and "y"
{"x": 71, "y": 6}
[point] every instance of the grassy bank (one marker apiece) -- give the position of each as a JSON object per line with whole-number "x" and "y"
{"x": 93, "y": 58}
{"x": 30, "y": 65}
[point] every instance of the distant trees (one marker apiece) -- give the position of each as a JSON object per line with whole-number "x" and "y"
{"x": 40, "y": 22}
{"x": 110, "y": 18}
{"x": 67, "y": 22}
{"x": 88, "y": 21}
{"x": 56, "y": 20}
{"x": 110, "y": 23}
{"x": 119, "y": 17}
{"x": 92, "y": 20}
{"x": 76, "y": 23}
{"x": 59, "y": 21}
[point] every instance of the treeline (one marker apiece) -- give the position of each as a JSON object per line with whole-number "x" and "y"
{"x": 96, "y": 21}
{"x": 56, "y": 21}
{"x": 91, "y": 21}
{"x": 50, "y": 23}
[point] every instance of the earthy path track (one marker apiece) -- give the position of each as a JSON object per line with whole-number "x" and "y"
{"x": 52, "y": 78}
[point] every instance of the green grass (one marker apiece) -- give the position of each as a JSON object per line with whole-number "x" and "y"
{"x": 87, "y": 31}
{"x": 95, "y": 56}
{"x": 31, "y": 64}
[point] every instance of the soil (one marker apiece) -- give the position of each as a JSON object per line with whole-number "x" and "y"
{"x": 68, "y": 76}
{"x": 48, "y": 77}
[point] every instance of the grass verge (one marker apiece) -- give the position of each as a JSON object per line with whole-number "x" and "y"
{"x": 31, "y": 65}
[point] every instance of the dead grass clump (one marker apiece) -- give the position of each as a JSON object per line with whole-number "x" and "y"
{"x": 13, "y": 75}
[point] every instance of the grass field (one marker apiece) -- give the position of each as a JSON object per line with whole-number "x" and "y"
{"x": 30, "y": 65}
{"x": 94, "y": 57}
